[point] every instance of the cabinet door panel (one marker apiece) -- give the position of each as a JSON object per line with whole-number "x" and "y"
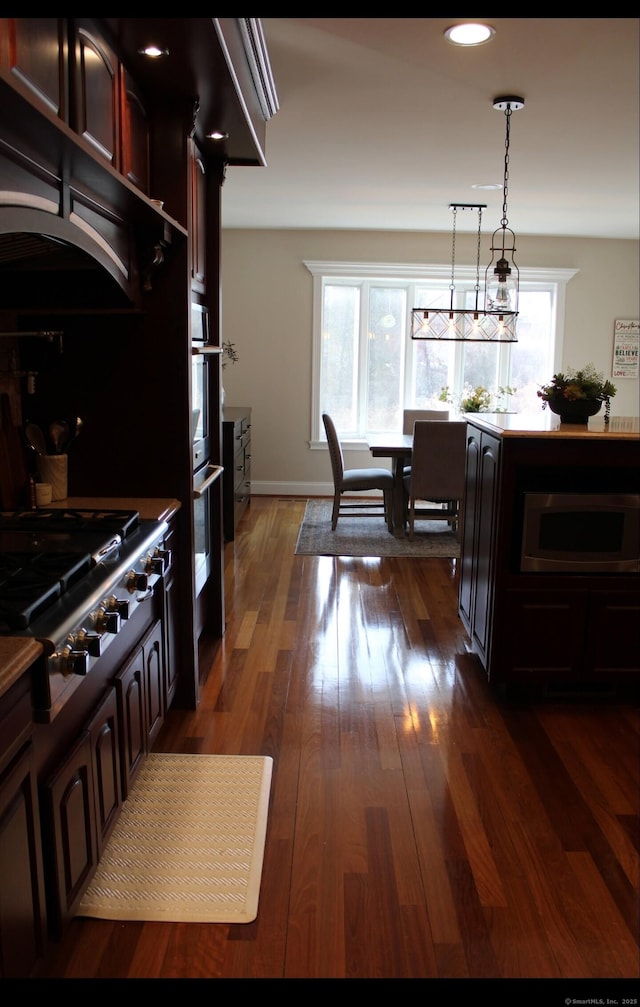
{"x": 543, "y": 636}
{"x": 34, "y": 51}
{"x": 135, "y": 134}
{"x": 129, "y": 684}
{"x": 154, "y": 683}
{"x": 612, "y": 651}
{"x": 198, "y": 219}
{"x": 68, "y": 800}
{"x": 21, "y": 874}
{"x": 96, "y": 95}
{"x": 170, "y": 617}
{"x": 485, "y": 532}
{"x": 468, "y": 558}
{"x": 105, "y": 746}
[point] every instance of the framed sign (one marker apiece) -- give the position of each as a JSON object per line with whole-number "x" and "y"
{"x": 625, "y": 348}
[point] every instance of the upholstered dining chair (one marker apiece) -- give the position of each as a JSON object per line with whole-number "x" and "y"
{"x": 409, "y": 417}
{"x": 346, "y": 481}
{"x": 434, "y": 489}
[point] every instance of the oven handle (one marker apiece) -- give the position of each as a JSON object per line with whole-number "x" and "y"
{"x": 213, "y": 472}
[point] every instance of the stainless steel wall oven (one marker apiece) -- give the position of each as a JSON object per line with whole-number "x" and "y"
{"x": 203, "y": 356}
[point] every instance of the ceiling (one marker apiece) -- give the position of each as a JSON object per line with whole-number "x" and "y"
{"x": 382, "y": 124}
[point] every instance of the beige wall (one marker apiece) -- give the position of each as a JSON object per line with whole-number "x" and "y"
{"x": 267, "y": 313}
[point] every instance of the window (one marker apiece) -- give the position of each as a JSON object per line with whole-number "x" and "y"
{"x": 367, "y": 369}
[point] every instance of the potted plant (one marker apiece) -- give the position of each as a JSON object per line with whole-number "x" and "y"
{"x": 229, "y": 353}
{"x": 229, "y": 356}
{"x": 478, "y": 399}
{"x": 575, "y": 395}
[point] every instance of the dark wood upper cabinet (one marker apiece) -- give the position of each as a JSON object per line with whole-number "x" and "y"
{"x": 34, "y": 52}
{"x": 96, "y": 107}
{"x": 134, "y": 133}
{"x": 198, "y": 229}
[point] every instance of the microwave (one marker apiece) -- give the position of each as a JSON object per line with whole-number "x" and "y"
{"x": 581, "y": 533}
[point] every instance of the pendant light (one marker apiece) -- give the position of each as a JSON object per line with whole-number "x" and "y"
{"x": 502, "y": 282}
{"x": 497, "y": 321}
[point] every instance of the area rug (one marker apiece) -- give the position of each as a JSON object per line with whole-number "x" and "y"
{"x": 189, "y": 844}
{"x": 369, "y": 536}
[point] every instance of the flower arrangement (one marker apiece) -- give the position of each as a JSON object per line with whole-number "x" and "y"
{"x": 478, "y": 399}
{"x": 229, "y": 353}
{"x": 571, "y": 385}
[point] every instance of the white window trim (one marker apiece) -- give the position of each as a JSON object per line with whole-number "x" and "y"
{"x": 558, "y": 277}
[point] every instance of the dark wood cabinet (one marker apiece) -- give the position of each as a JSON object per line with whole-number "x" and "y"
{"x": 553, "y": 631}
{"x": 34, "y": 51}
{"x": 478, "y": 556}
{"x": 197, "y": 218}
{"x": 96, "y": 110}
{"x": 90, "y": 129}
{"x": 236, "y": 460}
{"x": 104, "y": 739}
{"x": 69, "y": 821}
{"x": 134, "y": 133}
{"x": 141, "y": 703}
{"x": 22, "y": 895}
{"x": 155, "y": 706}
{"x": 170, "y": 617}
{"x": 81, "y": 803}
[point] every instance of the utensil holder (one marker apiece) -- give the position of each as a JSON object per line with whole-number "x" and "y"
{"x": 53, "y": 469}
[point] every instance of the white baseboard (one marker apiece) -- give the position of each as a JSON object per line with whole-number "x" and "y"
{"x": 293, "y": 489}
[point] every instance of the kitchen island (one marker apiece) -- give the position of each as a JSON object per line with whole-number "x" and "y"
{"x": 559, "y": 617}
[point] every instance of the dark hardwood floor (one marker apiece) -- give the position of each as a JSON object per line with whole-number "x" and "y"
{"x": 420, "y": 826}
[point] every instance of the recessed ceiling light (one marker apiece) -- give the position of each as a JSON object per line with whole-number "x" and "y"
{"x": 217, "y": 134}
{"x": 488, "y": 186}
{"x": 469, "y": 33}
{"x": 153, "y": 51}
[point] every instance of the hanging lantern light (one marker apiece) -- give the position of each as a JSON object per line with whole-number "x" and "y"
{"x": 502, "y": 282}
{"x": 497, "y": 321}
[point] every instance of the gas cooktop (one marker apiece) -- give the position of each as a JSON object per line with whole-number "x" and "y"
{"x": 47, "y": 554}
{"x": 58, "y": 519}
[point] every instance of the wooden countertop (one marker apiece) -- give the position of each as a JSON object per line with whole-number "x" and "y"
{"x": 17, "y": 654}
{"x": 547, "y": 424}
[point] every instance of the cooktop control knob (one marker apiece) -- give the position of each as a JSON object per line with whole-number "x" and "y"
{"x": 164, "y": 555}
{"x": 89, "y": 641}
{"x": 157, "y": 562}
{"x": 105, "y": 622}
{"x": 72, "y": 662}
{"x": 119, "y": 605}
{"x": 136, "y": 582}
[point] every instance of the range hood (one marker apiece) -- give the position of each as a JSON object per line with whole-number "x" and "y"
{"x": 40, "y": 271}
{"x": 23, "y": 252}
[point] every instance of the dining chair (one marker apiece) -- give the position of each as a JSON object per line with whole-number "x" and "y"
{"x": 357, "y": 481}
{"x": 410, "y": 416}
{"x": 434, "y": 490}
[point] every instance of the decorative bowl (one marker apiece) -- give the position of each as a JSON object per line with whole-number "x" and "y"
{"x": 576, "y": 410}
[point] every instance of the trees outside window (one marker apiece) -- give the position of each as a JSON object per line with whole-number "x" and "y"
{"x": 367, "y": 369}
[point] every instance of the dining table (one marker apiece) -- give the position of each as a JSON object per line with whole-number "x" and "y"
{"x": 398, "y": 447}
